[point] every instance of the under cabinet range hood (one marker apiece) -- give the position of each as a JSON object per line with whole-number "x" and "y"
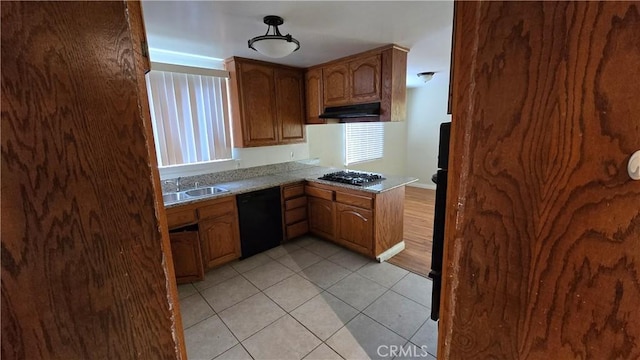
{"x": 369, "y": 110}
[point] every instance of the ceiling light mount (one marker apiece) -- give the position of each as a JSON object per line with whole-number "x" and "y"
{"x": 426, "y": 76}
{"x": 275, "y": 45}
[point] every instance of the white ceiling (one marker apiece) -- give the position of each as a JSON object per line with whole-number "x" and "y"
{"x": 326, "y": 29}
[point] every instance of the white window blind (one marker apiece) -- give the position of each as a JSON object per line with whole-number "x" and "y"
{"x": 190, "y": 117}
{"x": 364, "y": 141}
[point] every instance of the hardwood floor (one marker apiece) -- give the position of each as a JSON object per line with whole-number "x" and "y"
{"x": 418, "y": 230}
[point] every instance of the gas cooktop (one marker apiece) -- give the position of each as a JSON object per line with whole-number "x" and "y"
{"x": 352, "y": 178}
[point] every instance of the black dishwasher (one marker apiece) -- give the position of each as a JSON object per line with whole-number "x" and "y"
{"x": 260, "y": 218}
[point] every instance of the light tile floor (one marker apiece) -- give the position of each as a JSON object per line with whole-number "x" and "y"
{"x": 308, "y": 299}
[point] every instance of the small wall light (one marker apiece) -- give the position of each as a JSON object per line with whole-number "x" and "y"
{"x": 426, "y": 76}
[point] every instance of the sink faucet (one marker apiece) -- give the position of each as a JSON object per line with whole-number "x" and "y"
{"x": 178, "y": 184}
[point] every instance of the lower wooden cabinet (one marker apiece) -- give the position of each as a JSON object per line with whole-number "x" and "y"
{"x": 369, "y": 223}
{"x": 203, "y": 235}
{"x": 321, "y": 214}
{"x": 294, "y": 207}
{"x": 354, "y": 228}
{"x": 220, "y": 240}
{"x": 187, "y": 258}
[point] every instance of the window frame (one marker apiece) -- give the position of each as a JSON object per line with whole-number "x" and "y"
{"x": 222, "y": 108}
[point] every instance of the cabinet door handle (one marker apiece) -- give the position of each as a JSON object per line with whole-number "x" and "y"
{"x": 634, "y": 166}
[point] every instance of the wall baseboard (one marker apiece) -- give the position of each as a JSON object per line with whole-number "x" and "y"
{"x": 423, "y": 186}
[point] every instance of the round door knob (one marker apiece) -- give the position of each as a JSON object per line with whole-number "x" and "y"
{"x": 634, "y": 166}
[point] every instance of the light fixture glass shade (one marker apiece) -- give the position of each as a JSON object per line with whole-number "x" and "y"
{"x": 274, "y": 45}
{"x": 426, "y": 76}
{"x": 275, "y": 48}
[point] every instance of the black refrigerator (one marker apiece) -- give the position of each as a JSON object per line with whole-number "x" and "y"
{"x": 440, "y": 179}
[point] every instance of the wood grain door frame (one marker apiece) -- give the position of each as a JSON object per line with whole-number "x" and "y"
{"x": 542, "y": 250}
{"x": 87, "y": 269}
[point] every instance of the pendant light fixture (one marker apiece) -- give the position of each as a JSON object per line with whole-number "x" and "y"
{"x": 275, "y": 45}
{"x": 426, "y": 76}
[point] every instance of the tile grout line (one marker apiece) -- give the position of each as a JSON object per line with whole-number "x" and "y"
{"x": 222, "y": 320}
{"x": 322, "y": 290}
{"x": 289, "y": 312}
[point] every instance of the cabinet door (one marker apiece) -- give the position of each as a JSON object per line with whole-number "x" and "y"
{"x": 354, "y": 228}
{"x": 290, "y": 105}
{"x": 257, "y": 100}
{"x": 336, "y": 84}
{"x": 314, "y": 96}
{"x": 364, "y": 75}
{"x": 220, "y": 240}
{"x": 321, "y": 217}
{"x": 187, "y": 258}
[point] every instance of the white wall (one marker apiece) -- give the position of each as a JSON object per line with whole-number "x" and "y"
{"x": 266, "y": 155}
{"x": 426, "y": 109}
{"x": 326, "y": 142}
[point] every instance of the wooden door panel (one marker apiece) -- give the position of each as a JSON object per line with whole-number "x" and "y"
{"x": 355, "y": 227}
{"x": 542, "y": 251}
{"x": 258, "y": 104}
{"x": 314, "y": 96}
{"x": 220, "y": 242}
{"x": 86, "y": 259}
{"x": 365, "y": 79}
{"x": 336, "y": 84}
{"x": 290, "y": 105}
{"x": 321, "y": 215}
{"x": 187, "y": 258}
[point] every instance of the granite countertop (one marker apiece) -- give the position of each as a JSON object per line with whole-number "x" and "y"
{"x": 309, "y": 173}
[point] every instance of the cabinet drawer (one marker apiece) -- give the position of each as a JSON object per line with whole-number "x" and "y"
{"x": 295, "y": 215}
{"x": 297, "y": 229}
{"x": 217, "y": 209}
{"x": 295, "y": 203}
{"x": 293, "y": 191}
{"x": 180, "y": 218}
{"x": 355, "y": 200}
{"x": 319, "y": 193}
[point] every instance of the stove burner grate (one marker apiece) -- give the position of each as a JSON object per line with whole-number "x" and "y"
{"x": 352, "y": 178}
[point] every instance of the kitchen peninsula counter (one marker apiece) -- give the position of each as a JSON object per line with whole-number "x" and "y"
{"x": 308, "y": 173}
{"x": 366, "y": 219}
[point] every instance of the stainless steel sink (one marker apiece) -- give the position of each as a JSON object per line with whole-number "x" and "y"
{"x": 205, "y": 191}
{"x": 173, "y": 197}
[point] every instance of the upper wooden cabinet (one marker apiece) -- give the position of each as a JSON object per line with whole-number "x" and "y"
{"x": 364, "y": 78}
{"x": 289, "y": 105}
{"x": 336, "y": 84}
{"x": 378, "y": 75}
{"x": 315, "y": 93}
{"x": 352, "y": 82}
{"x": 257, "y": 117}
{"x": 267, "y": 103}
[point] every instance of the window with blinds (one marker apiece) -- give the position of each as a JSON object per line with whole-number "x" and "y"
{"x": 363, "y": 142}
{"x": 189, "y": 113}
